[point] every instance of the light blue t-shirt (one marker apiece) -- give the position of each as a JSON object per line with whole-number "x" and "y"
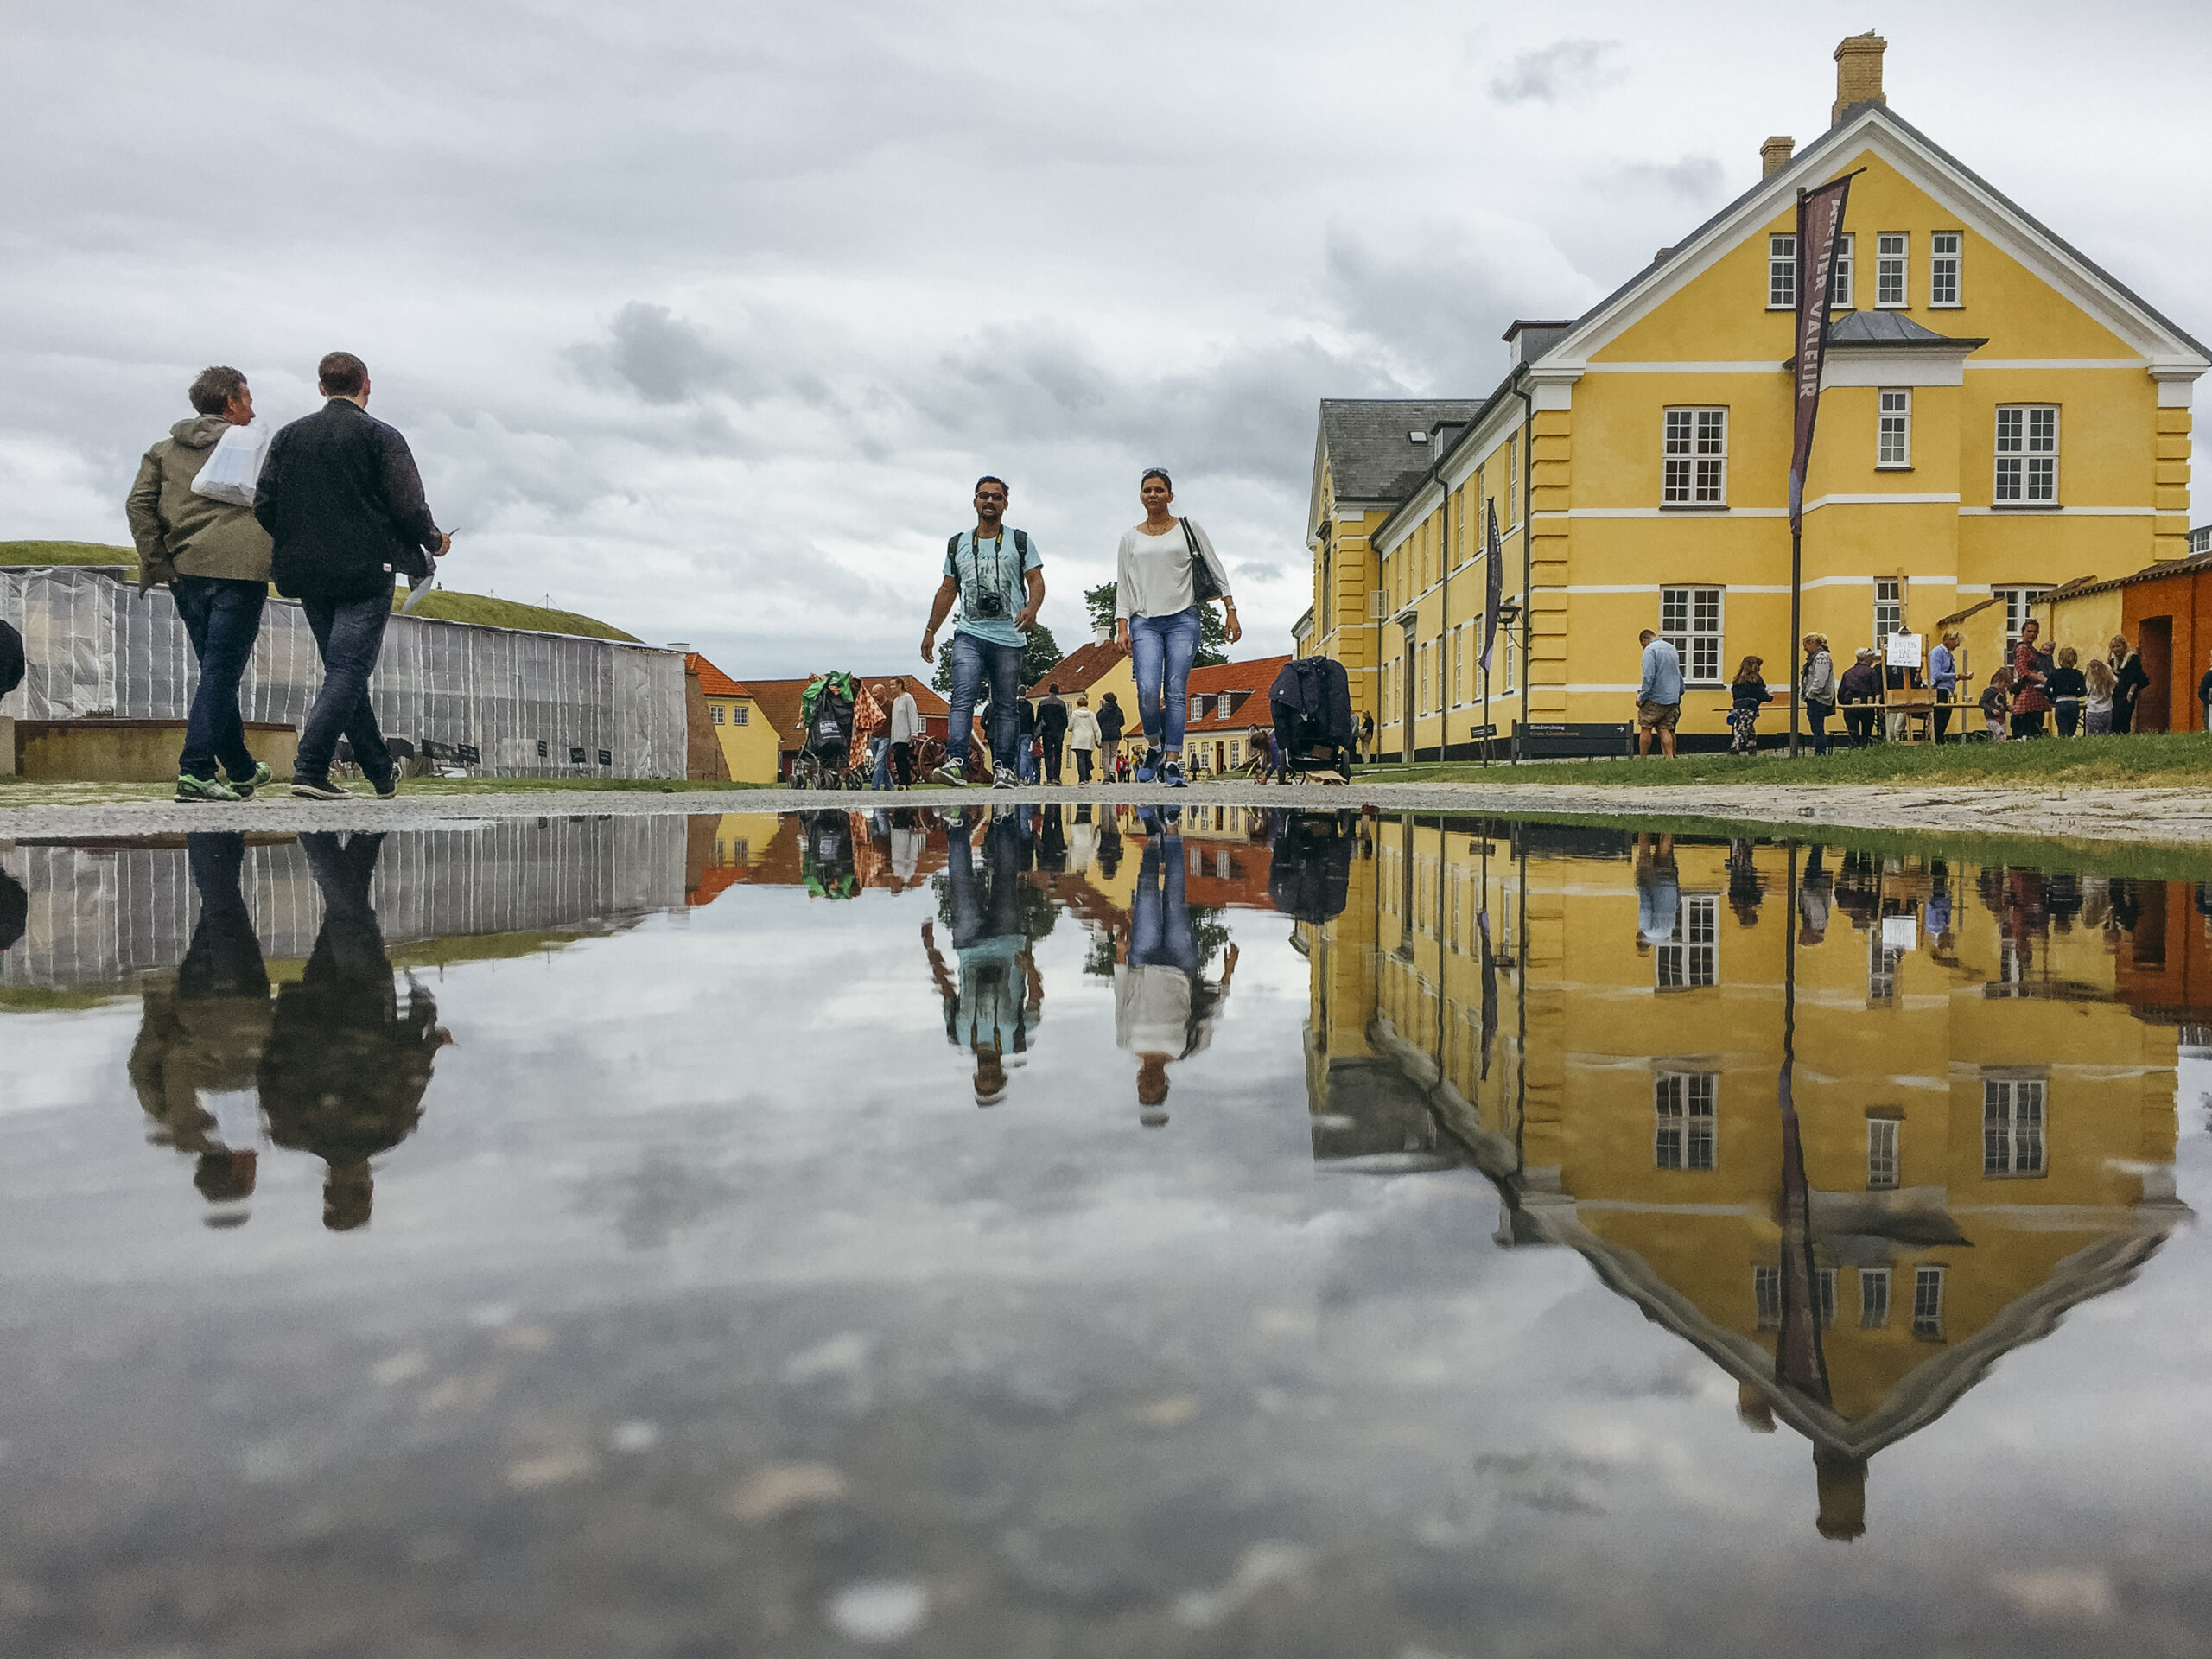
{"x": 1663, "y": 674}
{"x": 994, "y": 566}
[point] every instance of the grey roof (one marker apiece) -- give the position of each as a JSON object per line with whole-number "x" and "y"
{"x": 1371, "y": 458}
{"x": 1831, "y": 139}
{"x": 1889, "y": 329}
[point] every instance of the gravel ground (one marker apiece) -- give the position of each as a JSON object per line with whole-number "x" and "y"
{"x": 2173, "y": 816}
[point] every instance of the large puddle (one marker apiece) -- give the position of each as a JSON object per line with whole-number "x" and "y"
{"x": 1077, "y": 1232}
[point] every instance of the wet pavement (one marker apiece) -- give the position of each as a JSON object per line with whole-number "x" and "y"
{"x": 1089, "y": 1232}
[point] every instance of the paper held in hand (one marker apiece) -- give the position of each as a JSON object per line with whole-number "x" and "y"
{"x": 230, "y": 473}
{"x": 1903, "y": 650}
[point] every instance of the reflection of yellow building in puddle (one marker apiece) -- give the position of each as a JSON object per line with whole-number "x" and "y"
{"x": 1988, "y": 1129}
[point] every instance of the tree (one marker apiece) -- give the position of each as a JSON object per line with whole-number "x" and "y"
{"x": 1213, "y": 630}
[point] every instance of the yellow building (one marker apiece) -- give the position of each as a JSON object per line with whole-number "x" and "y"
{"x": 748, "y": 741}
{"x": 1999, "y": 415}
{"x": 1987, "y": 1125}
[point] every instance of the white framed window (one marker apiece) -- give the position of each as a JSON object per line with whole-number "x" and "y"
{"x": 1892, "y": 255}
{"x": 1197, "y": 708}
{"x": 1458, "y": 664}
{"x": 1690, "y": 620}
{"x": 741, "y": 715}
{"x": 1422, "y": 706}
{"x": 1781, "y": 273}
{"x": 1944, "y": 253}
{"x": 1873, "y": 1298}
{"x": 2027, "y": 455}
{"x": 1893, "y": 429}
{"x": 1690, "y": 957}
{"x": 1766, "y": 1296}
{"x": 1881, "y": 1154}
{"x": 721, "y": 852}
{"x": 1882, "y": 970}
{"x": 1683, "y": 1108}
{"x": 2011, "y": 1127}
{"x": 1694, "y": 458}
{"x": 1512, "y": 481}
{"x": 1889, "y": 608}
{"x": 1509, "y": 644}
{"x": 1928, "y": 1303}
{"x": 2017, "y": 603}
{"x": 715, "y": 713}
{"x": 1235, "y": 751}
{"x": 1840, "y": 273}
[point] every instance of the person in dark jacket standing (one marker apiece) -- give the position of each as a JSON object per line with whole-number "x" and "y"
{"x": 2131, "y": 682}
{"x": 1113, "y": 720}
{"x": 341, "y": 497}
{"x": 215, "y": 559}
{"x": 1052, "y": 730}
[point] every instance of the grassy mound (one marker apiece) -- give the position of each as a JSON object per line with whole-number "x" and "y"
{"x": 68, "y": 553}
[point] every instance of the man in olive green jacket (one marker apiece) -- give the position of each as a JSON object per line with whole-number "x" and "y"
{"x": 215, "y": 557}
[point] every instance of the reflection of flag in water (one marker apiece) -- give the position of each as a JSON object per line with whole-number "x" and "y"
{"x": 1798, "y": 1361}
{"x": 1490, "y": 989}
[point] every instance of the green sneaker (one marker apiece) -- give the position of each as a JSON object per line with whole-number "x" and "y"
{"x": 244, "y": 787}
{"x": 189, "y": 788}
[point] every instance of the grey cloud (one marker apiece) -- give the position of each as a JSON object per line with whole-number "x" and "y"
{"x": 1554, "y": 71}
{"x": 1257, "y": 570}
{"x": 1432, "y": 304}
{"x": 1693, "y": 178}
{"x": 657, "y": 355}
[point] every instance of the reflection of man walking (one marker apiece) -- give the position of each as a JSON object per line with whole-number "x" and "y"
{"x": 201, "y": 1037}
{"x": 1163, "y": 1009}
{"x": 347, "y": 1066}
{"x": 995, "y": 1006}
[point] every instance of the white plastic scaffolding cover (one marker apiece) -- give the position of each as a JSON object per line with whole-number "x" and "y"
{"x": 528, "y": 705}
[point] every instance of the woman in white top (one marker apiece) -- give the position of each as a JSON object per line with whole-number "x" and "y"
{"x": 1156, "y": 620}
{"x": 1082, "y": 736}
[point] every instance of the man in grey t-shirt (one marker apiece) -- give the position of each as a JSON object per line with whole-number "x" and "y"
{"x": 998, "y": 578}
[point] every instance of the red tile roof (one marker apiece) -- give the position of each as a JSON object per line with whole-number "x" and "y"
{"x": 1257, "y": 677}
{"x": 712, "y": 680}
{"x": 1081, "y": 668}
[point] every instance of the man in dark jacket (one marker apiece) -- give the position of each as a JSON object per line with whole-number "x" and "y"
{"x": 1052, "y": 730}
{"x": 215, "y": 559}
{"x": 341, "y": 498}
{"x": 1860, "y": 691}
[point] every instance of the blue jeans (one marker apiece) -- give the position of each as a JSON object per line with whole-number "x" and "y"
{"x": 1028, "y": 768}
{"x": 1160, "y": 934}
{"x": 972, "y": 659}
{"x": 1817, "y": 716}
{"x": 1160, "y": 649}
{"x": 222, "y": 618}
{"x": 350, "y": 634}
{"x": 881, "y": 778}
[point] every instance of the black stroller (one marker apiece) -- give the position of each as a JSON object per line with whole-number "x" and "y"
{"x": 826, "y": 716}
{"x": 1315, "y": 734}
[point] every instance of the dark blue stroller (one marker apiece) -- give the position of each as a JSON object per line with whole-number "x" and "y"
{"x": 1315, "y": 734}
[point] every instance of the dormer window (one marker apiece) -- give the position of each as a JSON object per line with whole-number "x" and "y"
{"x": 1418, "y": 437}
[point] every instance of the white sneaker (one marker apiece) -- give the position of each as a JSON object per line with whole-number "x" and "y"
{"x": 950, "y": 774}
{"x": 1003, "y": 777}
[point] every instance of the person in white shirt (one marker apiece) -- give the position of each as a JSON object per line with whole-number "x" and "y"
{"x": 1156, "y": 620}
{"x": 905, "y": 733}
{"x": 1163, "y": 1010}
{"x": 1082, "y": 736}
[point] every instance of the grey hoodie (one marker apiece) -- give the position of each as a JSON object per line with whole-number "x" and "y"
{"x": 181, "y": 534}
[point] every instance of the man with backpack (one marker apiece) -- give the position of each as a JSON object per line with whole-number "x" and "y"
{"x": 998, "y": 578}
{"x": 215, "y": 559}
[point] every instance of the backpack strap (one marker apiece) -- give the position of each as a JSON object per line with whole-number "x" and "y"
{"x": 1021, "y": 545}
{"x": 952, "y": 558}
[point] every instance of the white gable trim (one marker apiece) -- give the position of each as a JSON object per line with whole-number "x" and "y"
{"x": 1979, "y": 210}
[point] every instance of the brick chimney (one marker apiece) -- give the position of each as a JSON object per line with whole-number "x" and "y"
{"x": 1857, "y": 72}
{"x": 1775, "y": 154}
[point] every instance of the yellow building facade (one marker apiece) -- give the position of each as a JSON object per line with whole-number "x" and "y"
{"x": 1988, "y": 1127}
{"x": 1998, "y": 416}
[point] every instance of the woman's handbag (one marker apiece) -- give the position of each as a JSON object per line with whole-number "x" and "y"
{"x": 1202, "y": 586}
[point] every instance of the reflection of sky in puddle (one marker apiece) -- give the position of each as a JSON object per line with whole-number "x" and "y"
{"x": 704, "y": 1302}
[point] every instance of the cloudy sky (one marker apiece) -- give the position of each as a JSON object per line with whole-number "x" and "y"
{"x": 703, "y": 318}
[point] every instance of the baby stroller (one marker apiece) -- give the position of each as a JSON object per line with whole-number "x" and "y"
{"x": 1312, "y": 704}
{"x": 826, "y": 720}
{"x": 827, "y": 864}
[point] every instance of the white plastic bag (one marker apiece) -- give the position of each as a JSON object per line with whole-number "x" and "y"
{"x": 231, "y": 471}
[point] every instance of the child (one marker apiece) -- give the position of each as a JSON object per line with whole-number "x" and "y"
{"x": 2066, "y": 686}
{"x": 1997, "y": 704}
{"x": 2101, "y": 681}
{"x": 1749, "y": 694}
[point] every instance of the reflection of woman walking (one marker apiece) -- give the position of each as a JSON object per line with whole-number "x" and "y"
{"x": 1163, "y": 1010}
{"x": 1156, "y": 618}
